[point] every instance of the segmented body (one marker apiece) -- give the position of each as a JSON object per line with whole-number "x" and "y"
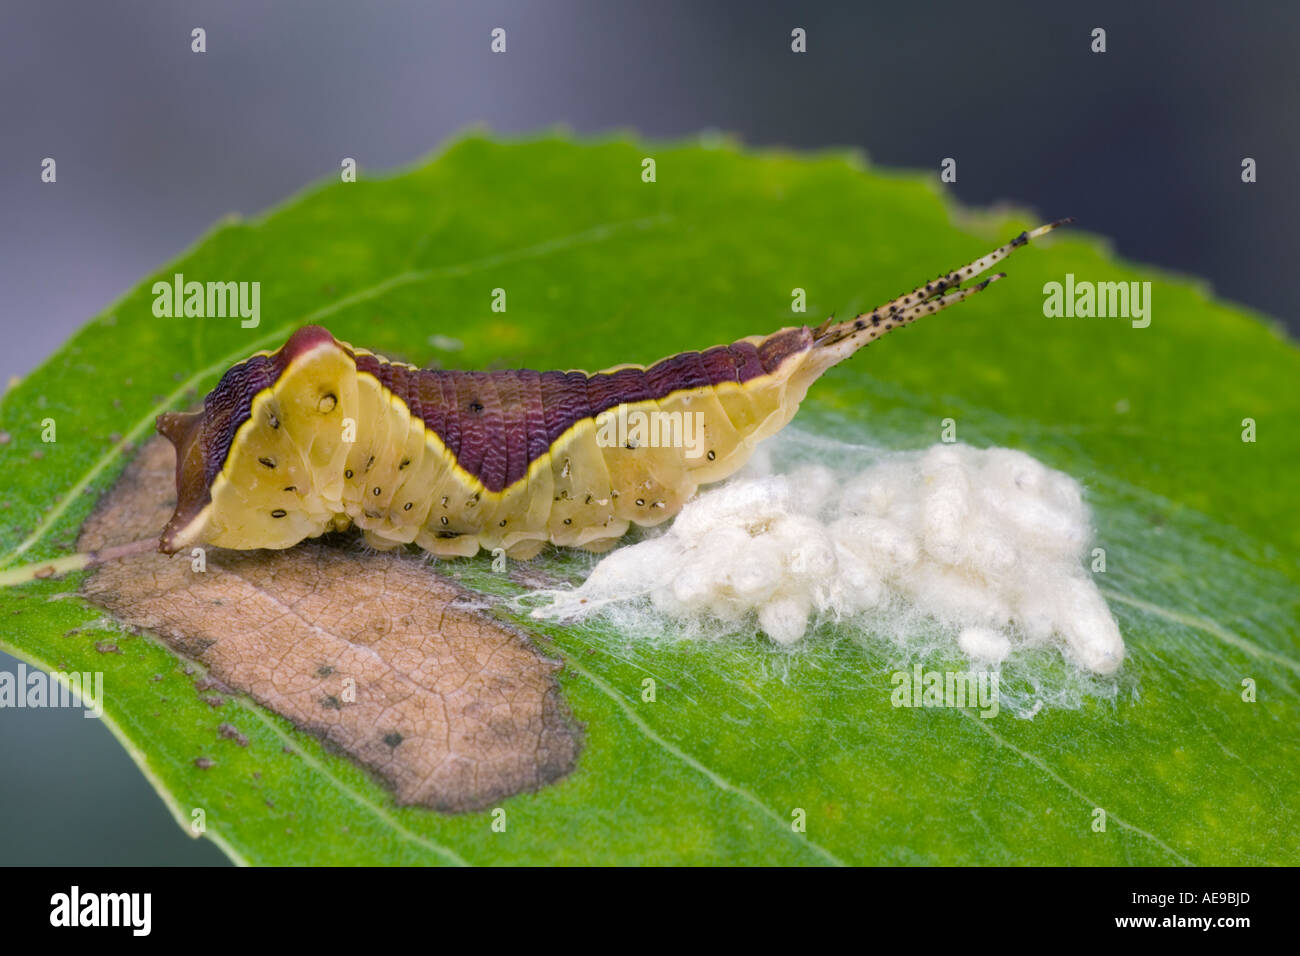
{"x": 319, "y": 435}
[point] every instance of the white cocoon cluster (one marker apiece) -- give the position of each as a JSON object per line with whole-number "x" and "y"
{"x": 987, "y": 542}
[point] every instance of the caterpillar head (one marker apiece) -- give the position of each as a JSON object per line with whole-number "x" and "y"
{"x": 189, "y": 434}
{"x": 241, "y": 481}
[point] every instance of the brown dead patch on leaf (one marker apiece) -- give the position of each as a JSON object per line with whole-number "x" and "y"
{"x": 376, "y": 654}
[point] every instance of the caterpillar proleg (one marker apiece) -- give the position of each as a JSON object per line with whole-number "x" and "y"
{"x": 319, "y": 436}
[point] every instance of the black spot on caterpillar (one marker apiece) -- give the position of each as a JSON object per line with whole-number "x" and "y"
{"x": 520, "y": 449}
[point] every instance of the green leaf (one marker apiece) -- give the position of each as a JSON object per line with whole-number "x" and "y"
{"x": 1200, "y": 528}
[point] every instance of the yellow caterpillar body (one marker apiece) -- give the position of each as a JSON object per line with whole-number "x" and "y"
{"x": 319, "y": 435}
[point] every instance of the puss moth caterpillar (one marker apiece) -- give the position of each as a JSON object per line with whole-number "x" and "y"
{"x": 319, "y": 435}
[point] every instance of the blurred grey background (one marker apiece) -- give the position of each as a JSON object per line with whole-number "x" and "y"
{"x": 154, "y": 143}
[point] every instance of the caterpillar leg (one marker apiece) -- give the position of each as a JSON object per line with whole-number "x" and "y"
{"x": 839, "y": 340}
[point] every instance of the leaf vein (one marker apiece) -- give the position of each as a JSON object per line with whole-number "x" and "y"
{"x": 1045, "y": 768}
{"x": 711, "y": 775}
